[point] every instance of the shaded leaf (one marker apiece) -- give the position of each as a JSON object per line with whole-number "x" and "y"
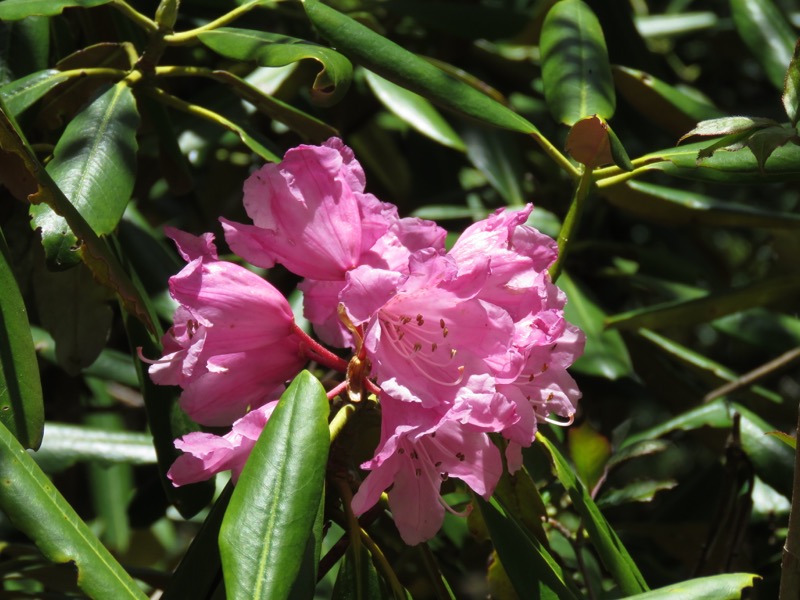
{"x": 358, "y": 579}
{"x": 94, "y": 165}
{"x": 765, "y": 141}
{"x": 20, "y": 94}
{"x": 21, "y": 401}
{"x": 268, "y": 524}
{"x": 768, "y": 35}
{"x": 37, "y": 509}
{"x": 496, "y": 154}
{"x": 12, "y": 10}
{"x": 575, "y": 68}
{"x": 274, "y": 50}
{"x": 414, "y": 110}
{"x": 791, "y": 87}
{"x": 404, "y": 68}
{"x": 638, "y": 491}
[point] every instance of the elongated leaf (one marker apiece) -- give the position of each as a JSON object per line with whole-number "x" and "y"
{"x": 404, "y": 68}
{"x": 575, "y": 68}
{"x": 671, "y": 205}
{"x": 791, "y": 88}
{"x": 767, "y": 33}
{"x": 13, "y": 10}
{"x": 94, "y": 164}
{"x": 21, "y": 402}
{"x": 667, "y": 25}
{"x": 638, "y": 491}
{"x": 710, "y": 307}
{"x": 496, "y": 155}
{"x": 268, "y": 524}
{"x": 590, "y": 452}
{"x": 29, "y": 499}
{"x": 273, "y": 50}
{"x": 606, "y": 354}
{"x": 532, "y": 570}
{"x": 728, "y": 126}
{"x": 20, "y": 94}
{"x": 667, "y": 106}
{"x": 609, "y": 547}
{"x": 414, "y": 110}
{"x": 720, "y": 587}
{"x": 358, "y": 578}
{"x": 63, "y": 445}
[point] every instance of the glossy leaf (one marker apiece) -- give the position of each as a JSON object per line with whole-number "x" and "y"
{"x": 20, "y": 94}
{"x": 606, "y": 354}
{"x": 12, "y": 10}
{"x": 21, "y": 401}
{"x": 94, "y": 164}
{"x": 728, "y": 586}
{"x": 609, "y": 547}
{"x": 404, "y": 68}
{"x": 728, "y": 126}
{"x": 27, "y": 180}
{"x": 269, "y": 521}
{"x": 575, "y": 68}
{"x": 669, "y": 25}
{"x": 531, "y": 568}
{"x": 768, "y": 35}
{"x": 358, "y": 578}
{"x": 273, "y": 50}
{"x": 791, "y": 87}
{"x": 497, "y": 155}
{"x": 710, "y": 307}
{"x": 36, "y": 508}
{"x": 785, "y": 438}
{"x": 675, "y": 206}
{"x": 414, "y": 110}
{"x": 667, "y": 106}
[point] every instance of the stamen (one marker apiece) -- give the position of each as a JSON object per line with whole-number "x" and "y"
{"x": 160, "y": 361}
{"x": 441, "y": 323}
{"x": 444, "y": 332}
{"x": 417, "y": 347}
{"x": 561, "y": 423}
{"x": 433, "y": 347}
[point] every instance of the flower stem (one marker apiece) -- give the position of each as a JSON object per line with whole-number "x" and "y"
{"x": 134, "y": 15}
{"x": 340, "y": 419}
{"x": 570, "y": 226}
{"x": 186, "y": 37}
{"x": 557, "y": 156}
{"x": 313, "y": 350}
{"x": 398, "y": 591}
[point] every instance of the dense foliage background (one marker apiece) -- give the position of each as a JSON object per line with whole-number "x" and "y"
{"x": 680, "y": 264}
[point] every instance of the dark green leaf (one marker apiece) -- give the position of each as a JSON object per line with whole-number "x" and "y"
{"x": 609, "y": 547}
{"x": 675, "y": 206}
{"x": 471, "y": 21}
{"x": 765, "y": 141}
{"x": 606, "y": 354}
{"x": 772, "y": 459}
{"x": 94, "y": 164}
{"x": 21, "y": 403}
{"x": 414, "y": 110}
{"x": 496, "y": 155}
{"x": 710, "y": 307}
{"x": 791, "y": 87}
{"x": 274, "y": 50}
{"x": 531, "y": 568}
{"x": 32, "y": 503}
{"x": 18, "y": 95}
{"x": 404, "y": 68}
{"x": 719, "y": 587}
{"x": 638, "y": 491}
{"x": 667, "y": 106}
{"x": 358, "y": 578}
{"x": 12, "y": 10}
{"x": 269, "y": 522}
{"x": 575, "y": 68}
{"x": 768, "y": 34}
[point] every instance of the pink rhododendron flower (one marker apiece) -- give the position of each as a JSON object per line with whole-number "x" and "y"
{"x": 418, "y": 451}
{"x": 233, "y": 344}
{"x": 205, "y": 454}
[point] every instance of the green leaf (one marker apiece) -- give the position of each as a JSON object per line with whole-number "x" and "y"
{"x": 274, "y": 50}
{"x": 20, "y": 94}
{"x": 414, "y": 110}
{"x": 531, "y": 568}
{"x": 791, "y": 87}
{"x": 358, "y": 578}
{"x": 31, "y": 502}
{"x": 406, "y": 69}
{"x": 785, "y": 438}
{"x": 674, "y": 206}
{"x": 64, "y": 445}
{"x": 768, "y": 35}
{"x": 728, "y": 126}
{"x": 590, "y": 452}
{"x": 497, "y": 155}
{"x": 21, "y": 402}
{"x": 94, "y": 164}
{"x": 720, "y": 587}
{"x": 13, "y": 10}
{"x": 710, "y": 307}
{"x": 609, "y": 547}
{"x": 575, "y": 68}
{"x": 269, "y": 521}
{"x": 638, "y": 491}
{"x": 667, "y": 106}
{"x": 606, "y": 354}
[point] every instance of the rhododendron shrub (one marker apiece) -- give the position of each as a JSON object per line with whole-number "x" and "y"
{"x": 453, "y": 346}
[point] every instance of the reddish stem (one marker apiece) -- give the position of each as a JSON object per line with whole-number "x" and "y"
{"x": 313, "y": 350}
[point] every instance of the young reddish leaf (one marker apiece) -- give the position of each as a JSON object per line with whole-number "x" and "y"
{"x": 587, "y": 142}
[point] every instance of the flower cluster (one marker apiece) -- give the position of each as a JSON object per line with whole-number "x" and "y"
{"x": 460, "y": 343}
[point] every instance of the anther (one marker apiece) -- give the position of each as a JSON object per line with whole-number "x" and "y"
{"x": 433, "y": 347}
{"x": 417, "y": 347}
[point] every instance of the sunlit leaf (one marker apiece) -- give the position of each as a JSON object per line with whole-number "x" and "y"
{"x": 768, "y": 35}
{"x": 12, "y": 10}
{"x": 20, "y": 94}
{"x": 791, "y": 87}
{"x": 787, "y": 439}
{"x": 638, "y": 491}
{"x": 720, "y": 587}
{"x": 590, "y": 452}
